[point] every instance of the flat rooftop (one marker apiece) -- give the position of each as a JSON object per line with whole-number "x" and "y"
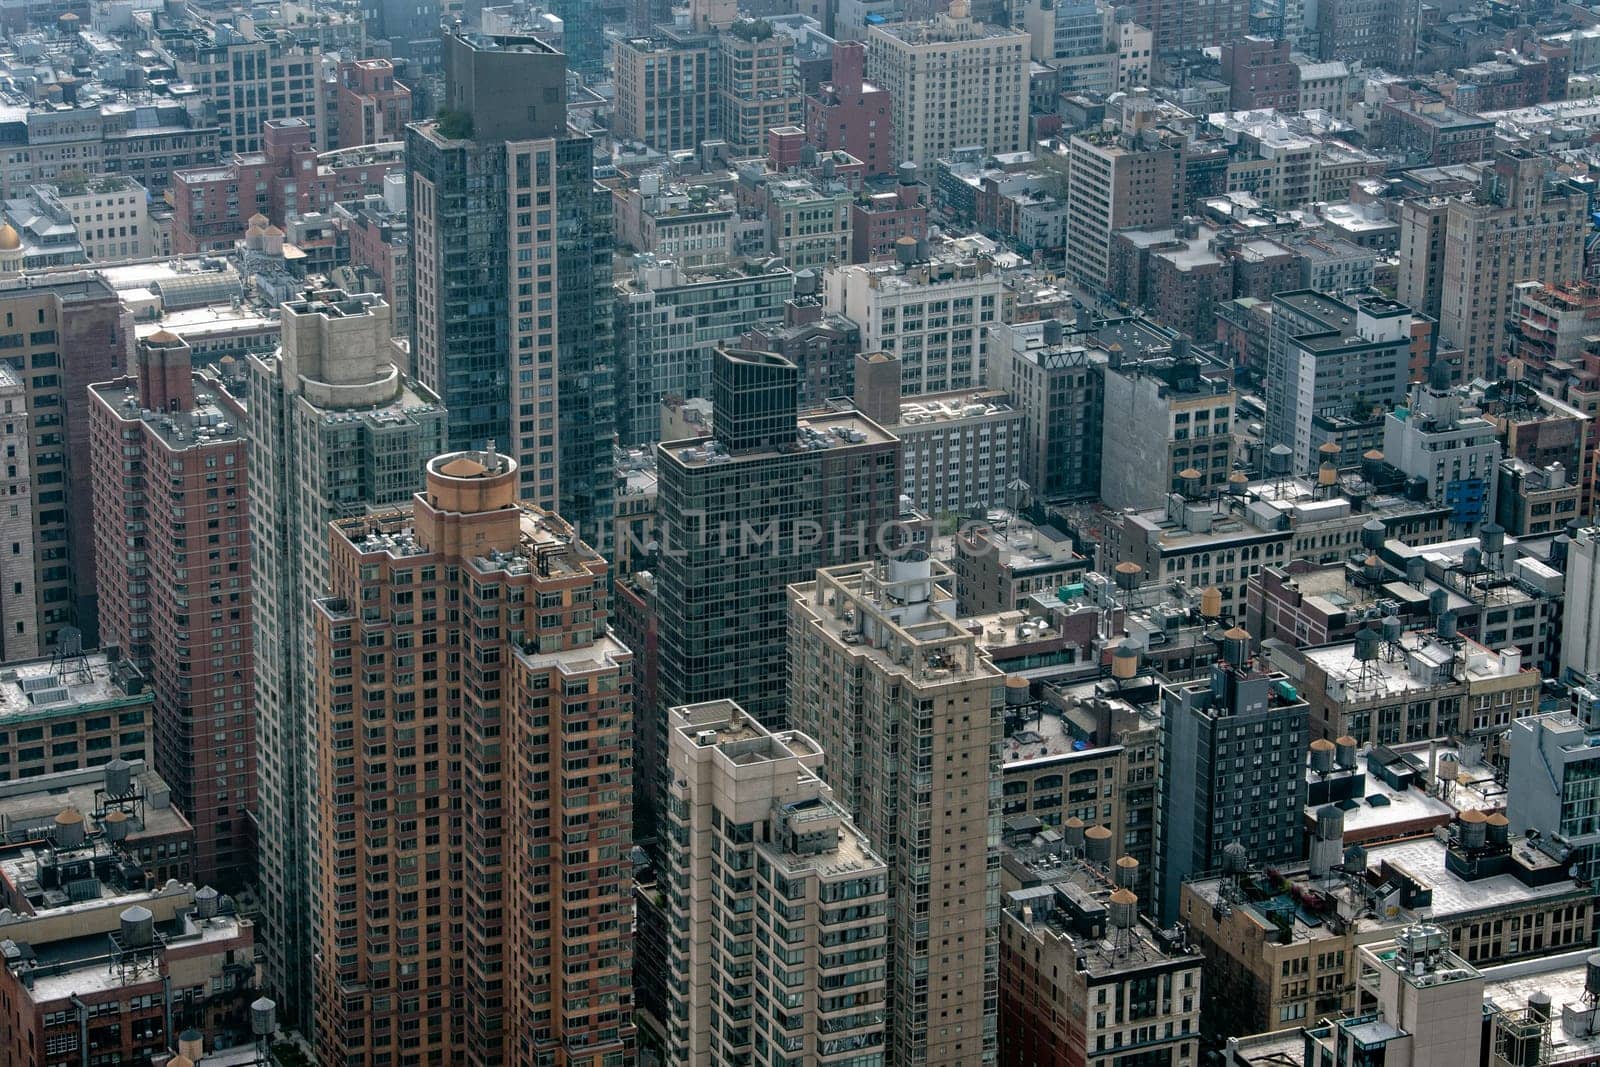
{"x": 923, "y": 640}
{"x": 211, "y": 421}
{"x": 210, "y": 320}
{"x": 817, "y": 431}
{"x": 83, "y": 964}
{"x": 944, "y": 408}
{"x": 1419, "y": 663}
{"x": 50, "y": 688}
{"x": 1403, "y": 809}
{"x": 1046, "y": 735}
{"x": 1562, "y": 977}
{"x": 1055, "y": 889}
{"x": 30, "y": 805}
{"x": 1424, "y": 858}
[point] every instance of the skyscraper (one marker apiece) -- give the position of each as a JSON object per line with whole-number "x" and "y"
{"x": 511, "y": 274}
{"x": 59, "y": 333}
{"x": 334, "y": 430}
{"x": 745, "y": 799}
{"x": 173, "y": 542}
{"x": 762, "y": 502}
{"x": 472, "y": 889}
{"x": 885, "y": 676}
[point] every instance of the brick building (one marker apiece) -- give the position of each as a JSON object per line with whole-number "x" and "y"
{"x": 526, "y": 740}
{"x": 175, "y": 579}
{"x": 853, "y": 114}
{"x": 212, "y": 205}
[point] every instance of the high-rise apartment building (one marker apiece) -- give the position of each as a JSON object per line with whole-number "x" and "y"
{"x": 1178, "y": 24}
{"x": 1420, "y": 281}
{"x": 245, "y": 74}
{"x": 764, "y": 500}
{"x": 1260, "y": 74}
{"x": 1523, "y": 224}
{"x": 852, "y": 113}
{"x": 59, "y": 333}
{"x": 760, "y": 854}
{"x": 511, "y": 279}
{"x": 757, "y": 85}
{"x": 19, "y": 603}
{"x": 1232, "y": 770}
{"x": 371, "y": 107}
{"x": 1554, "y": 758}
{"x": 1056, "y": 381}
{"x": 885, "y": 676}
{"x": 583, "y": 40}
{"x": 473, "y": 887}
{"x": 666, "y": 89}
{"x": 1455, "y": 453}
{"x": 934, "y": 315}
{"x": 669, "y": 322}
{"x": 955, "y": 83}
{"x": 335, "y": 429}
{"x": 1167, "y": 428}
{"x": 1116, "y": 181}
{"x": 173, "y": 541}
{"x": 1333, "y": 369}
{"x": 1580, "y": 636}
{"x": 1380, "y": 33}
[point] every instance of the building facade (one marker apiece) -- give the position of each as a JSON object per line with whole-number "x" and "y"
{"x": 954, "y": 82}
{"x": 334, "y": 430}
{"x": 176, "y": 587}
{"x": 1521, "y": 225}
{"x": 1244, "y": 728}
{"x": 65, "y": 331}
{"x": 743, "y": 798}
{"x": 761, "y": 502}
{"x": 511, "y": 279}
{"x": 538, "y": 682}
{"x": 883, "y": 677}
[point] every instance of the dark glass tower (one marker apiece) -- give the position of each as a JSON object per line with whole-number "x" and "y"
{"x": 755, "y": 397}
{"x": 511, "y": 284}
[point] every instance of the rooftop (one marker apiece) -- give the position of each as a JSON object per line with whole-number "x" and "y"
{"x": 546, "y": 543}
{"x": 193, "y": 324}
{"x": 818, "y": 431}
{"x": 210, "y": 422}
{"x": 950, "y": 407}
{"x": 1423, "y": 858}
{"x": 1075, "y": 901}
{"x": 901, "y": 616}
{"x": 29, "y": 806}
{"x": 1573, "y": 1036}
{"x": 48, "y": 688}
{"x": 87, "y": 964}
{"x": 1416, "y": 663}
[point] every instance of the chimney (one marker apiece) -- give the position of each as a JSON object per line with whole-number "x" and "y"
{"x": 165, "y": 372}
{"x": 877, "y": 392}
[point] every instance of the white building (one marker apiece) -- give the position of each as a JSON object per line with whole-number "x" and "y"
{"x": 934, "y": 315}
{"x": 1457, "y": 454}
{"x": 113, "y": 218}
{"x": 955, "y": 82}
{"x": 777, "y": 902}
{"x": 1580, "y": 634}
